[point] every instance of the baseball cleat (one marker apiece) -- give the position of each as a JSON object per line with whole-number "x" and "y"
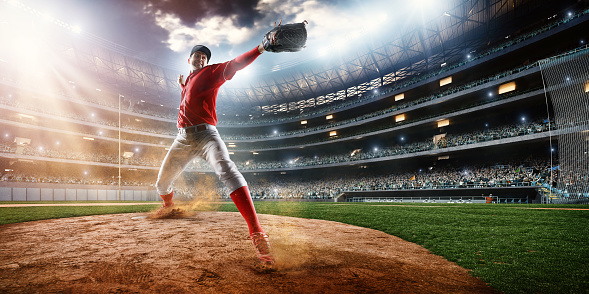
{"x": 262, "y": 246}
{"x": 165, "y": 209}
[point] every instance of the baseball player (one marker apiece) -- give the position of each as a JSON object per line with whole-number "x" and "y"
{"x": 198, "y": 136}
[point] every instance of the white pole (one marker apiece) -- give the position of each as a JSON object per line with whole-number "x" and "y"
{"x": 119, "y": 147}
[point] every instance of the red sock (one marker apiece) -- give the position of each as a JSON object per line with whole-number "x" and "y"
{"x": 168, "y": 199}
{"x": 242, "y": 199}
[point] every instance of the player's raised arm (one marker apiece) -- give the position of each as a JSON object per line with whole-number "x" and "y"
{"x": 282, "y": 38}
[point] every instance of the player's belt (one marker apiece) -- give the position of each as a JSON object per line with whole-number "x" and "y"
{"x": 196, "y": 128}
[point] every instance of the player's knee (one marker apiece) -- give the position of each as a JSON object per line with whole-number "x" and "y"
{"x": 224, "y": 166}
{"x": 226, "y": 170}
{"x": 162, "y": 187}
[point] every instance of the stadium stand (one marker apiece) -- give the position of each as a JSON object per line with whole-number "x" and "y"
{"x": 414, "y": 132}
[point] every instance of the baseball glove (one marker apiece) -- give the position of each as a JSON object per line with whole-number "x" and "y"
{"x": 286, "y": 38}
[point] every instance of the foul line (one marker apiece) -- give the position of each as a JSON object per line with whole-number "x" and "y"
{"x": 553, "y": 208}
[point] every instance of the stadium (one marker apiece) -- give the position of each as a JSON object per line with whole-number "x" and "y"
{"x": 459, "y": 134}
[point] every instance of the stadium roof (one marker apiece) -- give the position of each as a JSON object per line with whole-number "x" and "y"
{"x": 358, "y": 64}
{"x": 460, "y": 30}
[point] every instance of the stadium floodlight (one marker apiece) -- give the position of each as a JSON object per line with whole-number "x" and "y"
{"x": 77, "y": 29}
{"x": 523, "y": 118}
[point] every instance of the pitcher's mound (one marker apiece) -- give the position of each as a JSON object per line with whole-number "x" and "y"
{"x": 209, "y": 253}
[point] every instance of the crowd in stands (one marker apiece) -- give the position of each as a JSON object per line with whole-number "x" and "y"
{"x": 385, "y": 113}
{"x": 35, "y": 106}
{"x": 450, "y": 140}
{"x": 171, "y": 131}
{"x": 531, "y": 172}
{"x": 52, "y": 179}
{"x": 84, "y": 155}
{"x": 38, "y": 106}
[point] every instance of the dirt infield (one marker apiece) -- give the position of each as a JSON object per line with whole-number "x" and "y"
{"x": 209, "y": 253}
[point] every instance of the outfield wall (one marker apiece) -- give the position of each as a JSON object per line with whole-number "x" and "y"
{"x": 499, "y": 194}
{"x": 63, "y": 192}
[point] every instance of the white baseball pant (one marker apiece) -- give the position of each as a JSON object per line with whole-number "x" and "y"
{"x": 206, "y": 144}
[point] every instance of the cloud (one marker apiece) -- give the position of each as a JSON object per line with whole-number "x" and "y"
{"x": 243, "y": 12}
{"x": 339, "y": 24}
{"x": 227, "y": 29}
{"x": 212, "y": 31}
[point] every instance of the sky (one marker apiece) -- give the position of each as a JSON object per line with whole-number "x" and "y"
{"x": 164, "y": 31}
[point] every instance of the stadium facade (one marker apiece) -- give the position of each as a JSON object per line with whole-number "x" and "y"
{"x": 453, "y": 110}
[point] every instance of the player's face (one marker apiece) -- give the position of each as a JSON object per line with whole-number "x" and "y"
{"x": 198, "y": 60}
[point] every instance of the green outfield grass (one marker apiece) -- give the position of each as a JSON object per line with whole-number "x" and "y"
{"x": 9, "y": 215}
{"x": 512, "y": 248}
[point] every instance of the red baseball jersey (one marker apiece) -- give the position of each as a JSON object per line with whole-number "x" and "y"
{"x": 199, "y": 92}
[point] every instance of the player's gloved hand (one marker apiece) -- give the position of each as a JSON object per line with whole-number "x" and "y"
{"x": 286, "y": 38}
